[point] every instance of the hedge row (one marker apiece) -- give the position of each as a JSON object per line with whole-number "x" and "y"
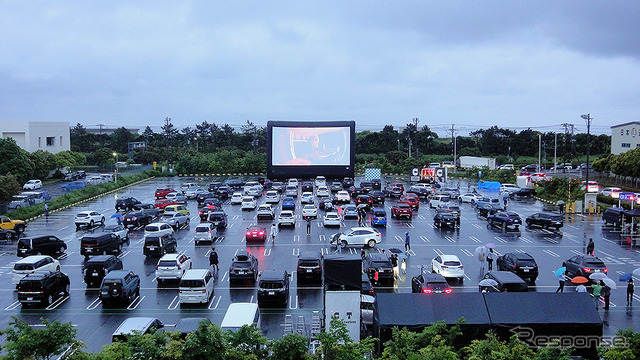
{"x": 67, "y": 200}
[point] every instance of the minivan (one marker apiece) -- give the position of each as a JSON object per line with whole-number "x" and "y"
{"x": 240, "y": 314}
{"x": 158, "y": 245}
{"x": 136, "y": 325}
{"x": 100, "y": 244}
{"x": 31, "y": 264}
{"x": 507, "y": 281}
{"x": 196, "y": 286}
{"x": 158, "y": 229}
{"x": 46, "y": 245}
{"x": 273, "y": 288}
{"x": 98, "y": 266}
{"x": 613, "y": 216}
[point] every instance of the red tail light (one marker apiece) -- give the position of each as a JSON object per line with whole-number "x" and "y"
{"x": 444, "y": 266}
{"x": 261, "y": 232}
{"x": 515, "y": 266}
{"x": 586, "y": 269}
{"x": 605, "y": 269}
{"x": 248, "y": 233}
{"x": 448, "y": 291}
{"x": 179, "y": 268}
{"x": 156, "y": 267}
{"x": 427, "y": 291}
{"x": 375, "y": 276}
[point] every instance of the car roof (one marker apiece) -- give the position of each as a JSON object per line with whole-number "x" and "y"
{"x": 99, "y": 259}
{"x": 449, "y": 258}
{"x": 310, "y": 255}
{"x": 270, "y": 275}
{"x": 170, "y": 257}
{"x": 432, "y": 278}
{"x": 116, "y": 274}
{"x": 129, "y": 325}
{"x": 378, "y": 257}
{"x": 332, "y": 213}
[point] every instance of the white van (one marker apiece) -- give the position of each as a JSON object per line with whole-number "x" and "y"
{"x": 239, "y": 314}
{"x": 95, "y": 180}
{"x": 107, "y": 177}
{"x": 31, "y": 264}
{"x": 196, "y": 286}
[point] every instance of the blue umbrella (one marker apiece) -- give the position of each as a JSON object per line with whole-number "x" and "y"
{"x": 626, "y": 277}
{"x": 116, "y": 215}
{"x": 560, "y": 271}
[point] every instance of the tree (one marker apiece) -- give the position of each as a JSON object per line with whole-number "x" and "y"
{"x": 207, "y": 342}
{"x": 104, "y": 157}
{"x": 9, "y": 186}
{"x": 627, "y": 349}
{"x": 121, "y": 138}
{"x": 78, "y": 130}
{"x": 168, "y": 130}
{"x": 289, "y": 347}
{"x": 492, "y": 348}
{"x": 14, "y": 160}
{"x": 26, "y": 342}
{"x": 336, "y": 343}
{"x": 248, "y": 340}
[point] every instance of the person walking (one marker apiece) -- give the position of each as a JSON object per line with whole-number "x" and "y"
{"x": 597, "y": 291}
{"x": 407, "y": 242}
{"x": 46, "y": 210}
{"x": 394, "y": 263}
{"x": 561, "y": 279}
{"x": 308, "y": 219}
{"x": 630, "y": 287}
{"x": 606, "y": 293}
{"x": 482, "y": 258}
{"x": 590, "y": 247}
{"x": 362, "y": 254}
{"x": 490, "y": 257}
{"x": 273, "y": 232}
{"x": 213, "y": 259}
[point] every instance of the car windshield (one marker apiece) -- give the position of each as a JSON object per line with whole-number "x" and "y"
{"x": 242, "y": 264}
{"x": 202, "y": 229}
{"x": 451, "y": 263}
{"x": 379, "y": 213}
{"x": 30, "y": 286}
{"x": 23, "y": 267}
{"x": 167, "y": 263}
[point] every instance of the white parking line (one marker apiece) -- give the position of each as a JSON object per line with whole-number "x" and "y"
{"x": 123, "y": 254}
{"x": 296, "y": 251}
{"x": 63, "y": 228}
{"x": 466, "y": 252}
{"x": 438, "y": 252}
{"x": 94, "y": 304}
{"x": 267, "y": 252}
{"x": 296, "y": 238}
{"x": 424, "y": 239}
{"x": 13, "y": 305}
{"x": 398, "y": 238}
{"x": 474, "y": 239}
{"x": 57, "y": 303}
{"x": 551, "y": 253}
{"x": 291, "y": 303}
{"x": 135, "y": 303}
{"x": 213, "y": 299}
{"x": 174, "y": 303}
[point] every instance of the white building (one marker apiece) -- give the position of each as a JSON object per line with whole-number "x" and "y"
{"x": 37, "y": 135}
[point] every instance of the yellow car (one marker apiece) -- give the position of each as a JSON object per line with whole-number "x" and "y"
{"x": 177, "y": 208}
{"x": 8, "y": 224}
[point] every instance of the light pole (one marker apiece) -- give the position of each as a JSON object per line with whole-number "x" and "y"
{"x": 196, "y": 140}
{"x": 588, "y": 119}
{"x": 115, "y": 154}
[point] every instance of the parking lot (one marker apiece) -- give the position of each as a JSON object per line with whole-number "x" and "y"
{"x": 96, "y": 323}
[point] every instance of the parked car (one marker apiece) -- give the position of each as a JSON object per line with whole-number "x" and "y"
{"x": 158, "y": 228}
{"x": 100, "y": 244}
{"x": 357, "y": 236}
{"x": 163, "y": 203}
{"x": 379, "y": 269}
{"x": 136, "y": 326}
{"x": 444, "y": 218}
{"x": 149, "y": 209}
{"x": 347, "y": 183}
{"x": 159, "y": 245}
{"x": 410, "y": 199}
{"x": 175, "y": 219}
{"x": 309, "y": 210}
{"x": 31, "y": 264}
{"x": 307, "y": 198}
{"x": 545, "y": 220}
{"x": 162, "y": 192}
{"x": 584, "y": 265}
{"x": 521, "y": 264}
{"x": 196, "y": 286}
{"x": 32, "y": 185}
{"x": 256, "y": 233}
{"x": 172, "y": 267}
{"x": 523, "y": 193}
{"x": 218, "y": 218}
{"x": 98, "y": 266}
{"x": 430, "y": 283}
{"x": 273, "y": 288}
{"x": 193, "y": 193}
{"x": 506, "y": 282}
{"x": 505, "y": 219}
{"x": 349, "y": 212}
{"x": 439, "y": 200}
{"x": 449, "y": 266}
{"x": 244, "y": 266}
{"x": 127, "y": 203}
{"x": 288, "y": 203}
{"x": 183, "y": 209}
{"x": 121, "y": 232}
{"x": 470, "y": 198}
{"x": 401, "y": 210}
{"x": 119, "y": 286}
{"x": 265, "y": 211}
{"x": 43, "y": 244}
{"x": 509, "y": 188}
{"x": 331, "y": 219}
{"x": 248, "y": 203}
{"x": 593, "y": 186}
{"x": 89, "y": 218}
{"x": 176, "y": 197}
{"x": 613, "y": 192}
{"x": 379, "y": 218}
{"x": 286, "y": 218}
{"x": 322, "y": 191}
{"x": 136, "y": 219}
{"x": 272, "y": 197}
{"x": 343, "y": 197}
{"x": 309, "y": 267}
{"x": 205, "y": 232}
{"x": 43, "y": 287}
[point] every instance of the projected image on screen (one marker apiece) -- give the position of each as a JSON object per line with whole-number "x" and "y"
{"x": 310, "y": 146}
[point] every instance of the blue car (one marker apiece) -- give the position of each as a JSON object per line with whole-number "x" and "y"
{"x": 74, "y": 185}
{"x": 379, "y": 218}
{"x": 288, "y": 203}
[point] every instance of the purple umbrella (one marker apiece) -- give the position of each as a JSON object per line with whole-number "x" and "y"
{"x": 490, "y": 246}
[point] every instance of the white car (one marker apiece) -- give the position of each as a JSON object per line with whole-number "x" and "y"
{"x": 309, "y": 210}
{"x": 293, "y": 182}
{"x": 89, "y": 218}
{"x": 158, "y": 229}
{"x": 593, "y": 186}
{"x": 121, "y": 232}
{"x": 31, "y": 264}
{"x": 320, "y": 181}
{"x": 291, "y": 190}
{"x": 470, "y": 198}
{"x": 506, "y": 167}
{"x": 95, "y": 180}
{"x": 423, "y": 185}
{"x": 255, "y": 191}
{"x": 539, "y": 177}
{"x": 177, "y": 197}
{"x": 193, "y": 192}
{"x": 236, "y": 198}
{"x": 307, "y": 198}
{"x": 188, "y": 186}
{"x": 251, "y": 184}
{"x": 32, "y": 185}
{"x": 449, "y": 266}
{"x": 357, "y": 236}
{"x": 272, "y": 197}
{"x": 331, "y": 219}
{"x": 614, "y": 192}
{"x": 205, "y": 232}
{"x": 248, "y": 203}
{"x": 286, "y": 218}
{"x": 510, "y": 188}
{"x": 322, "y": 191}
{"x": 343, "y": 197}
{"x": 175, "y": 219}
{"x": 172, "y": 266}
{"x": 265, "y": 211}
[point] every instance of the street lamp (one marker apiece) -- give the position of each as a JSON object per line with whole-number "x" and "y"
{"x": 115, "y": 154}
{"x": 588, "y": 119}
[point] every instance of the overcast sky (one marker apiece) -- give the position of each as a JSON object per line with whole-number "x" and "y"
{"x": 476, "y": 64}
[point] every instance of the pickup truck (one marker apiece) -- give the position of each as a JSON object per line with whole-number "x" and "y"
{"x": 8, "y": 224}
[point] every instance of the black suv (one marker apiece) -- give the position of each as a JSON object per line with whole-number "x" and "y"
{"x": 71, "y": 176}
{"x": 200, "y": 198}
{"x": 377, "y": 197}
{"x": 100, "y": 244}
{"x": 218, "y": 219}
{"x": 584, "y": 265}
{"x": 46, "y": 245}
{"x": 504, "y": 219}
{"x": 309, "y": 267}
{"x": 521, "y": 264}
{"x": 545, "y": 221}
{"x": 444, "y": 218}
{"x": 527, "y": 193}
{"x": 223, "y": 192}
{"x": 430, "y": 283}
{"x": 347, "y": 183}
{"x": 119, "y": 286}
{"x": 126, "y": 203}
{"x": 379, "y": 268}
{"x": 273, "y": 288}
{"x": 244, "y": 266}
{"x": 505, "y": 281}
{"x": 136, "y": 219}
{"x": 307, "y": 186}
{"x": 158, "y": 245}
{"x": 99, "y": 266}
{"x": 214, "y": 186}
{"x": 43, "y": 287}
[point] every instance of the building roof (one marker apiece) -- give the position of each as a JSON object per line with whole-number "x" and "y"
{"x": 625, "y": 124}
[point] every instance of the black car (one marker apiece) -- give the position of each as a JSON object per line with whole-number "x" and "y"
{"x": 273, "y": 288}
{"x": 244, "y": 266}
{"x": 367, "y": 288}
{"x": 72, "y": 176}
{"x": 379, "y": 269}
{"x": 223, "y": 192}
{"x": 45, "y": 244}
{"x": 127, "y": 204}
{"x": 136, "y": 219}
{"x": 97, "y": 267}
{"x": 204, "y": 212}
{"x": 42, "y": 287}
{"x": 200, "y": 198}
{"x": 395, "y": 192}
{"x": 364, "y": 199}
{"x": 100, "y": 244}
{"x": 278, "y": 186}
{"x": 347, "y": 183}
{"x": 356, "y": 190}
{"x": 214, "y": 186}
{"x": 307, "y": 186}
{"x": 234, "y": 183}
{"x": 367, "y": 186}
{"x": 584, "y": 265}
{"x": 445, "y": 219}
{"x": 6, "y": 234}
{"x": 523, "y": 193}
{"x": 309, "y": 267}
{"x": 505, "y": 219}
{"x": 545, "y": 221}
{"x": 376, "y": 184}
{"x": 212, "y": 201}
{"x": 505, "y": 281}
{"x": 158, "y": 245}
{"x": 521, "y": 264}
{"x": 218, "y": 219}
{"x": 420, "y": 191}
{"x": 119, "y": 286}
{"x": 430, "y": 283}
{"x": 377, "y": 197}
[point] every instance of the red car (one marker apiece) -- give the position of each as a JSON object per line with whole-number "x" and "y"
{"x": 401, "y": 210}
{"x": 163, "y": 203}
{"x": 162, "y": 192}
{"x": 256, "y": 233}
{"x": 410, "y": 199}
{"x": 397, "y": 184}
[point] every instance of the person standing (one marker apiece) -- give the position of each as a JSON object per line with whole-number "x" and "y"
{"x": 407, "y": 242}
{"x": 394, "y": 263}
{"x": 46, "y": 210}
{"x": 606, "y": 293}
{"x": 308, "y": 219}
{"x": 590, "y": 247}
{"x": 597, "y": 290}
{"x": 213, "y": 259}
{"x": 273, "y": 232}
{"x": 403, "y": 265}
{"x": 362, "y": 254}
{"x": 630, "y": 287}
{"x": 481, "y": 258}
{"x": 490, "y": 257}
{"x": 561, "y": 279}
{"x": 581, "y": 288}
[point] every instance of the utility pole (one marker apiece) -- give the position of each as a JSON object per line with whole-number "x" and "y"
{"x": 453, "y": 142}
{"x": 555, "y": 153}
{"x": 101, "y": 141}
{"x": 588, "y": 119}
{"x": 415, "y": 122}
{"x": 539, "y": 151}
